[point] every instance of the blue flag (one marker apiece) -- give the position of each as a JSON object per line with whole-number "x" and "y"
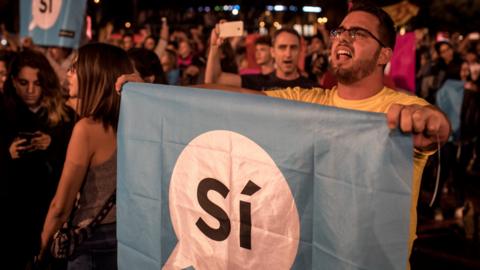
{"x": 53, "y": 22}
{"x": 215, "y": 180}
{"x": 449, "y": 99}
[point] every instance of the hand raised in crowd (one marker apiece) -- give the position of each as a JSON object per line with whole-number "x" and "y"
{"x": 215, "y": 39}
{"x": 17, "y": 147}
{"x": 164, "y": 30}
{"x": 428, "y": 125}
{"x": 41, "y": 141}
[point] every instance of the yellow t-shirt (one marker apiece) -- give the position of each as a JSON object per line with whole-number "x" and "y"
{"x": 379, "y": 103}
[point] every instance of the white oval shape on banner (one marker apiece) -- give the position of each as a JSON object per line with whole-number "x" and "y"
{"x": 241, "y": 178}
{"x": 44, "y": 13}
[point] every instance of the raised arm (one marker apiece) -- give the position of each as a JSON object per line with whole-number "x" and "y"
{"x": 213, "y": 71}
{"x": 163, "y": 40}
{"x": 135, "y": 78}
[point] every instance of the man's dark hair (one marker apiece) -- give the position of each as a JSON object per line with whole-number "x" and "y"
{"x": 147, "y": 63}
{"x": 440, "y": 43}
{"x": 386, "y": 27}
{"x": 285, "y": 30}
{"x": 319, "y": 37}
{"x": 128, "y": 34}
{"x": 264, "y": 40}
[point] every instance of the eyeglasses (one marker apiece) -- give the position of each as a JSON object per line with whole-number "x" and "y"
{"x": 355, "y": 33}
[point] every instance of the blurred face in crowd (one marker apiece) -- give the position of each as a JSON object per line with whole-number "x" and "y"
{"x": 57, "y": 54}
{"x": 471, "y": 57}
{"x": 285, "y": 51}
{"x": 424, "y": 59}
{"x": 3, "y": 74}
{"x": 262, "y": 54}
{"x": 446, "y": 53}
{"x": 317, "y": 45}
{"x": 127, "y": 43}
{"x": 149, "y": 43}
{"x": 464, "y": 71}
{"x": 184, "y": 49}
{"x": 28, "y": 87}
{"x": 353, "y": 59}
{"x": 72, "y": 79}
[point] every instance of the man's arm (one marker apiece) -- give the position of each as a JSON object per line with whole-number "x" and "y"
{"x": 163, "y": 40}
{"x": 428, "y": 125}
{"x": 133, "y": 77}
{"x": 213, "y": 71}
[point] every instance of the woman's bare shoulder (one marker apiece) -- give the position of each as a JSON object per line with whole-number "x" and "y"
{"x": 87, "y": 128}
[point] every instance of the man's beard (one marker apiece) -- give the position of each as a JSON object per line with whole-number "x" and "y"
{"x": 358, "y": 71}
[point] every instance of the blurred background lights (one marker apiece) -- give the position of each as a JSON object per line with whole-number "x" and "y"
{"x": 298, "y": 28}
{"x": 312, "y": 9}
{"x": 279, "y": 8}
{"x": 322, "y": 20}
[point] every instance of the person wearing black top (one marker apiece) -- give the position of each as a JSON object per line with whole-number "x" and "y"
{"x": 272, "y": 82}
{"x": 38, "y": 126}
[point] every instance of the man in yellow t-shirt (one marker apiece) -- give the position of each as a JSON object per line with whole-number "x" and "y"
{"x": 381, "y": 103}
{"x": 361, "y": 47}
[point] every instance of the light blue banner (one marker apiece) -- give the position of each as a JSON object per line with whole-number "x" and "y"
{"x": 214, "y": 180}
{"x": 53, "y": 22}
{"x": 449, "y": 99}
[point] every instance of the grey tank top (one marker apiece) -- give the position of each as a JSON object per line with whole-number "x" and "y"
{"x": 99, "y": 184}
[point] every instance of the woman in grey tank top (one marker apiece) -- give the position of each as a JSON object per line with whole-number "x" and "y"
{"x": 90, "y": 165}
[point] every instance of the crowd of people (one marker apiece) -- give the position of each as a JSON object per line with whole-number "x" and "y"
{"x": 59, "y": 113}
{"x": 442, "y": 63}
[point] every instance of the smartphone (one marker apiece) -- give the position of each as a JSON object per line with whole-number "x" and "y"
{"x": 231, "y": 29}
{"x": 28, "y": 136}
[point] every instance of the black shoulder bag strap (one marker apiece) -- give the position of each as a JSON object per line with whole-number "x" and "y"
{"x": 87, "y": 231}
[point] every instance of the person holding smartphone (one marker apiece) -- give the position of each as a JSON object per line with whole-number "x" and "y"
{"x": 37, "y": 125}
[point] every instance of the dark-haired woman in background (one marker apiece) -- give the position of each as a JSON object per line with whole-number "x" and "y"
{"x": 38, "y": 127}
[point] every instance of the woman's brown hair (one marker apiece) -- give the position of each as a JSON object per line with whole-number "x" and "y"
{"x": 52, "y": 94}
{"x": 98, "y": 67}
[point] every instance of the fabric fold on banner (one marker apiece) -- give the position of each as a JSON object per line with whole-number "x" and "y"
{"x": 215, "y": 180}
